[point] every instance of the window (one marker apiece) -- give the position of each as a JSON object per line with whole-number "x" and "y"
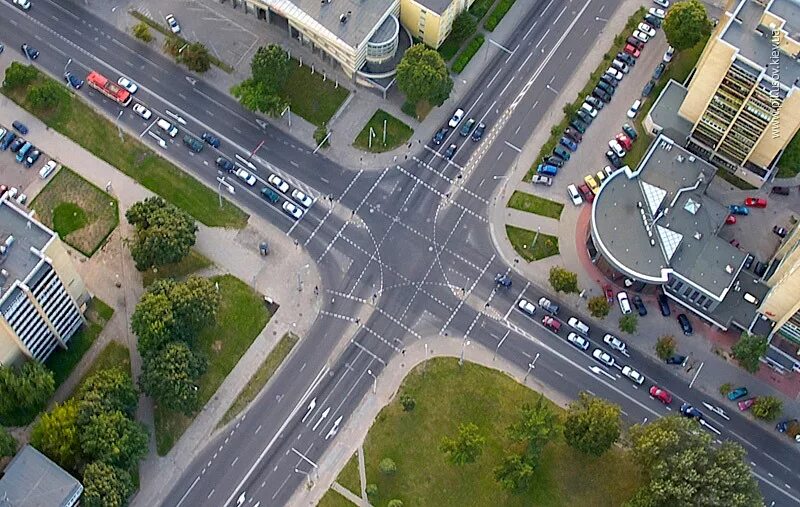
{"x": 701, "y": 300}
{"x": 707, "y": 305}
{"x": 687, "y": 291}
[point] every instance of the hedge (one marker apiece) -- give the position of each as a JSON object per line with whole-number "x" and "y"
{"x": 466, "y": 55}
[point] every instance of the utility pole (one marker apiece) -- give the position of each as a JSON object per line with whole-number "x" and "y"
{"x": 374, "y": 381}
{"x": 119, "y": 128}
{"x": 531, "y": 366}
{"x": 499, "y": 344}
{"x": 463, "y": 345}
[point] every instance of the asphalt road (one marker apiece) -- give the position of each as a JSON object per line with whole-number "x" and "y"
{"x": 405, "y": 252}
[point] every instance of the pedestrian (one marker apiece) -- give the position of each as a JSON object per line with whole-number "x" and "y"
{"x": 316, "y": 290}
{"x": 404, "y": 352}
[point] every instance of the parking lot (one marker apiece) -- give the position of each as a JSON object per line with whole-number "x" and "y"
{"x": 20, "y": 180}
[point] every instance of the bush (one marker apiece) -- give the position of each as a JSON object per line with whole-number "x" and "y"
{"x": 387, "y": 466}
{"x": 48, "y": 95}
{"x": 748, "y": 351}
{"x": 497, "y": 14}
{"x": 408, "y": 402}
{"x": 464, "y": 26}
{"x": 725, "y": 388}
{"x": 395, "y": 502}
{"x": 599, "y": 307}
{"x": 8, "y": 444}
{"x": 19, "y": 75}
{"x": 142, "y": 32}
{"x": 466, "y": 55}
{"x": 196, "y": 57}
{"x": 665, "y": 347}
{"x": 372, "y": 491}
{"x": 319, "y": 136}
{"x": 480, "y": 8}
{"x": 628, "y": 323}
{"x": 563, "y": 280}
{"x": 767, "y": 408}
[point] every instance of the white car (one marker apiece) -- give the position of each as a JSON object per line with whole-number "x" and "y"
{"x": 572, "y": 191}
{"x": 127, "y": 84}
{"x": 649, "y": 30}
{"x": 589, "y": 109}
{"x": 292, "y": 210}
{"x": 662, "y": 3}
{"x": 23, "y": 4}
{"x": 173, "y": 23}
{"x": 456, "y": 119}
{"x": 579, "y": 341}
{"x": 659, "y": 13}
{"x": 12, "y": 192}
{"x": 616, "y": 74}
{"x": 142, "y": 111}
{"x": 48, "y": 169}
{"x": 632, "y": 374}
{"x": 526, "y": 306}
{"x": 617, "y": 148}
{"x": 278, "y": 183}
{"x": 609, "y": 170}
{"x": 634, "y": 110}
{"x": 576, "y": 324}
{"x": 641, "y": 36}
{"x": 668, "y": 54}
{"x": 603, "y": 357}
{"x": 614, "y": 342}
{"x": 245, "y": 176}
{"x": 302, "y": 198}
{"x": 618, "y": 64}
{"x": 624, "y": 304}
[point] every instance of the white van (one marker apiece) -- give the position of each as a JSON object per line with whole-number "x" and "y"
{"x": 750, "y": 298}
{"x": 578, "y": 325}
{"x": 167, "y": 127}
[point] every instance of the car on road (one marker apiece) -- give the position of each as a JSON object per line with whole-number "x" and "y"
{"x": 456, "y": 119}
{"x": 29, "y": 51}
{"x": 20, "y": 127}
{"x": 592, "y": 184}
{"x": 663, "y": 305}
{"x": 467, "y": 127}
{"x": 23, "y": 4}
{"x": 574, "y": 196}
{"x": 578, "y": 325}
{"x": 645, "y": 28}
{"x": 755, "y": 202}
{"x": 502, "y": 280}
{"x": 579, "y": 341}
{"x": 586, "y": 193}
{"x": 648, "y": 88}
{"x": 594, "y": 102}
{"x": 173, "y": 23}
{"x": 632, "y": 50}
{"x": 559, "y": 151}
{"x": 659, "y": 13}
{"x": 589, "y": 109}
{"x": 142, "y": 111}
{"x": 526, "y": 307}
{"x": 193, "y": 143}
{"x": 624, "y": 304}
{"x": 568, "y": 143}
{"x": 737, "y": 209}
{"x": 583, "y": 115}
{"x": 686, "y": 326}
{"x": 551, "y": 323}
{"x": 661, "y": 395}
{"x": 639, "y": 305}
{"x": 539, "y": 179}
{"x": 633, "y": 41}
{"x": 601, "y": 95}
{"x": 676, "y": 359}
{"x": 477, "y": 134}
{"x": 616, "y": 148}
{"x": 301, "y": 198}
{"x": 224, "y": 164}
{"x": 615, "y": 343}
{"x": 781, "y": 190}
{"x": 633, "y": 375}
{"x": 292, "y": 210}
{"x": 746, "y": 404}
{"x": 127, "y": 84}
{"x": 211, "y": 139}
{"x": 603, "y": 357}
{"x": 780, "y": 231}
{"x": 630, "y": 131}
{"x": 278, "y": 183}
{"x": 739, "y": 392}
{"x": 73, "y": 80}
{"x": 689, "y": 411}
{"x": 441, "y": 134}
{"x": 270, "y": 195}
{"x": 614, "y": 159}
{"x": 659, "y": 70}
{"x": 245, "y": 176}
{"x": 634, "y": 109}
{"x": 548, "y": 306}
{"x": 451, "y": 151}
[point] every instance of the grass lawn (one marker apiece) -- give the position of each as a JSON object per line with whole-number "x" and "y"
{"x": 521, "y": 239}
{"x": 78, "y": 121}
{"x": 62, "y": 362}
{"x": 311, "y": 97}
{"x": 190, "y": 264}
{"x": 735, "y": 180}
{"x": 535, "y": 204}
{"x": 81, "y": 214}
{"x": 241, "y": 317}
{"x": 480, "y": 8}
{"x": 397, "y": 133}
{"x": 449, "y": 48}
{"x": 447, "y": 396}
{"x": 334, "y": 499}
{"x": 349, "y": 476}
{"x": 262, "y": 375}
{"x": 789, "y": 164}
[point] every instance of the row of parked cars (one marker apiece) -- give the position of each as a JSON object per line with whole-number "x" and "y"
{"x": 471, "y": 128}
{"x": 25, "y": 153}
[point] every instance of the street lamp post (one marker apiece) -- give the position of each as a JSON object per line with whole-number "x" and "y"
{"x": 119, "y": 128}
{"x": 499, "y": 344}
{"x": 300, "y": 277}
{"x": 531, "y": 366}
{"x": 463, "y": 346}
{"x": 67, "y": 65}
{"x": 374, "y": 381}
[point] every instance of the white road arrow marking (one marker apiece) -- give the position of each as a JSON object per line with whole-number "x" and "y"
{"x": 334, "y": 429}
{"x": 310, "y": 409}
{"x": 322, "y": 418}
{"x": 599, "y": 371}
{"x": 716, "y": 410}
{"x": 704, "y": 423}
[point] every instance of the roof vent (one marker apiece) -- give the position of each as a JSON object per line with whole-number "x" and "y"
{"x": 698, "y": 236}
{"x": 729, "y": 269}
{"x": 679, "y": 158}
{"x": 343, "y": 18}
{"x": 9, "y": 241}
{"x": 692, "y": 158}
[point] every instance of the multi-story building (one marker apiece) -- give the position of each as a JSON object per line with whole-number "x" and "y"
{"x": 41, "y": 294}
{"x": 31, "y": 479}
{"x": 431, "y": 20}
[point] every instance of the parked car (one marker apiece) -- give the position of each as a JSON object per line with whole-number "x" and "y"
{"x": 615, "y": 343}
{"x": 173, "y": 23}
{"x": 142, "y": 111}
{"x": 686, "y": 326}
{"x": 615, "y": 73}
{"x": 617, "y": 148}
{"x": 193, "y": 143}
{"x": 29, "y": 51}
{"x": 639, "y": 305}
{"x": 579, "y": 341}
{"x": 659, "y": 70}
{"x": 561, "y": 152}
{"x": 48, "y": 169}
{"x": 586, "y": 192}
{"x": 556, "y": 161}
{"x": 16, "y": 144}
{"x": 573, "y": 134}
{"x": 224, "y": 164}
{"x": 737, "y": 209}
{"x": 526, "y": 307}
{"x": 624, "y": 141}
{"x": 760, "y": 269}
{"x": 538, "y": 179}
{"x": 633, "y": 375}
{"x": 780, "y": 231}
{"x": 211, "y": 139}
{"x": 592, "y": 184}
{"x": 601, "y": 94}
{"x": 614, "y": 159}
{"x": 575, "y": 197}
{"x": 73, "y": 80}
{"x": 648, "y": 88}
{"x": 661, "y": 395}
{"x": 548, "y": 306}
{"x": 620, "y": 65}
{"x": 451, "y": 151}
{"x": 440, "y": 135}
{"x": 7, "y": 139}
{"x": 633, "y": 41}
{"x": 662, "y": 3}
{"x": 302, "y": 199}
{"x": 19, "y": 127}
{"x": 624, "y": 304}
{"x": 270, "y": 195}
{"x": 780, "y": 190}
{"x": 688, "y": 410}
{"x": 245, "y": 176}
{"x": 551, "y": 323}
{"x": 547, "y": 170}
{"x": 755, "y": 202}
{"x": 606, "y": 88}
{"x": 32, "y": 157}
{"x": 737, "y": 393}
{"x": 748, "y": 261}
{"x": 653, "y": 21}
{"x": 578, "y": 125}
{"x": 645, "y": 28}
{"x": 568, "y": 143}
{"x": 456, "y": 119}
{"x": 676, "y": 359}
{"x": 292, "y": 210}
{"x": 609, "y": 79}
{"x": 626, "y": 58}
{"x": 746, "y": 404}
{"x": 730, "y": 219}
{"x": 577, "y": 324}
{"x": 634, "y": 109}
{"x": 659, "y": 13}
{"x": 594, "y": 102}
{"x": 630, "y": 131}
{"x": 589, "y": 109}
{"x": 477, "y": 134}
{"x": 603, "y": 357}
{"x": 663, "y": 305}
{"x": 584, "y": 116}
{"x": 467, "y": 127}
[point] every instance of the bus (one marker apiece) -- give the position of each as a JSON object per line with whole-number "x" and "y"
{"x": 108, "y": 88}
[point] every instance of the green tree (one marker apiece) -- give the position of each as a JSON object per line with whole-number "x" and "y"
{"x": 105, "y": 486}
{"x": 686, "y": 24}
{"x": 767, "y": 408}
{"x": 47, "y": 95}
{"x": 153, "y": 321}
{"x": 514, "y": 473}
{"x": 466, "y": 447}
{"x": 464, "y": 26}
{"x": 256, "y": 96}
{"x": 57, "y": 435}
{"x": 8, "y": 444}
{"x": 599, "y": 307}
{"x": 19, "y": 75}
{"x": 563, "y": 280}
{"x": 372, "y": 491}
{"x": 408, "y": 402}
{"x": 271, "y": 66}
{"x": 387, "y": 466}
{"x": 422, "y": 75}
{"x": 665, "y": 347}
{"x": 114, "y": 439}
{"x": 196, "y": 57}
{"x": 592, "y": 425}
{"x": 24, "y": 392}
{"x": 142, "y": 32}
{"x": 749, "y": 350}
{"x": 537, "y": 426}
{"x": 682, "y": 467}
{"x": 106, "y": 391}
{"x": 170, "y": 377}
{"x": 194, "y": 304}
{"x": 628, "y": 323}
{"x": 163, "y": 233}
{"x": 395, "y": 502}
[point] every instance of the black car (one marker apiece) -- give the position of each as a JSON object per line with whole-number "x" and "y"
{"x": 663, "y": 305}
{"x": 780, "y": 190}
{"x": 625, "y": 57}
{"x": 686, "y": 326}
{"x": 652, "y": 21}
{"x": 780, "y": 231}
{"x": 30, "y": 52}
{"x": 440, "y": 135}
{"x": 72, "y": 80}
{"x": 224, "y": 164}
{"x": 503, "y": 280}
{"x": 630, "y": 131}
{"x": 659, "y": 70}
{"x": 583, "y": 115}
{"x": 633, "y": 41}
{"x": 17, "y": 144}
{"x": 554, "y": 161}
{"x": 614, "y": 159}
{"x": 759, "y": 270}
{"x": 606, "y": 87}
{"x": 573, "y": 134}
{"x": 748, "y": 261}
{"x": 594, "y": 102}
{"x": 211, "y": 139}
{"x": 639, "y": 305}
{"x": 7, "y": 139}
{"x": 691, "y": 412}
{"x": 601, "y": 94}
{"x": 676, "y": 359}
{"x": 33, "y": 156}
{"x": 608, "y": 78}
{"x": 648, "y": 88}
{"x": 451, "y": 151}
{"x": 477, "y": 134}
{"x": 578, "y": 125}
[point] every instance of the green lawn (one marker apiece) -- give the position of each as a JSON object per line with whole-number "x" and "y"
{"x": 480, "y": 8}
{"x": 447, "y": 396}
{"x": 789, "y": 164}
{"x": 78, "y": 121}
{"x": 262, "y": 375}
{"x": 82, "y": 214}
{"x": 397, "y": 133}
{"x": 190, "y": 264}
{"x": 334, "y": 499}
{"x": 535, "y": 204}
{"x": 62, "y": 362}
{"x": 735, "y": 180}
{"x": 311, "y": 97}
{"x": 240, "y": 318}
{"x": 521, "y": 239}
{"x": 349, "y": 476}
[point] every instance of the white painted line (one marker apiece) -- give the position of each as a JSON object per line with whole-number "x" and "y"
{"x": 515, "y": 148}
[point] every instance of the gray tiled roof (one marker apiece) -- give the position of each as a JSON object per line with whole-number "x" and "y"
{"x": 28, "y": 233}
{"x": 32, "y": 480}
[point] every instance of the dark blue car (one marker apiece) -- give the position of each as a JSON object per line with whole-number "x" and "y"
{"x": 7, "y": 140}
{"x": 30, "y": 52}
{"x": 568, "y": 143}
{"x": 211, "y": 139}
{"x": 20, "y": 127}
{"x": 73, "y": 81}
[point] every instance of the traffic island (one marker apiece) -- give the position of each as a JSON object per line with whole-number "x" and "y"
{"x": 383, "y": 132}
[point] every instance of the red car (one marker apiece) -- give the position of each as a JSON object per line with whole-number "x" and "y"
{"x": 551, "y": 323}
{"x": 661, "y": 395}
{"x": 624, "y": 140}
{"x": 746, "y": 404}
{"x": 632, "y": 51}
{"x": 587, "y": 194}
{"x": 754, "y": 202}
{"x": 730, "y": 220}
{"x": 609, "y": 294}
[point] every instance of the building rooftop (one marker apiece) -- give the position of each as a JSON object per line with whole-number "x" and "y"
{"x": 21, "y": 254}
{"x": 437, "y": 6}
{"x": 352, "y": 21}
{"x": 32, "y": 480}
{"x": 664, "y": 112}
{"x": 789, "y": 11}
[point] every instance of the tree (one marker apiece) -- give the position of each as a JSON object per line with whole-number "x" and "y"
{"x": 105, "y": 486}
{"x": 466, "y": 447}
{"x": 514, "y": 473}
{"x": 256, "y": 96}
{"x": 748, "y": 351}
{"x": 395, "y": 502}
{"x": 163, "y": 233}
{"x": 57, "y": 435}
{"x": 767, "y": 408}
{"x": 628, "y": 323}
{"x": 537, "y": 426}
{"x": 194, "y": 304}
{"x": 725, "y": 388}
{"x": 24, "y": 392}
{"x": 592, "y": 425}
{"x": 46, "y": 95}
{"x": 170, "y": 376}
{"x": 665, "y": 347}
{"x": 599, "y": 307}
{"x": 408, "y": 402}
{"x": 387, "y": 466}
{"x": 563, "y": 281}
{"x": 19, "y": 75}
{"x": 464, "y": 25}
{"x": 106, "y": 391}
{"x": 196, "y": 57}
{"x": 142, "y": 32}
{"x": 153, "y": 321}
{"x": 8, "y": 444}
{"x": 682, "y": 467}
{"x": 686, "y": 24}
{"x": 114, "y": 439}
{"x": 422, "y": 75}
{"x": 271, "y": 66}
{"x": 371, "y": 490}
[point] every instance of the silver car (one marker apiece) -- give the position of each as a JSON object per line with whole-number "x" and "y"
{"x": 603, "y": 357}
{"x": 578, "y": 340}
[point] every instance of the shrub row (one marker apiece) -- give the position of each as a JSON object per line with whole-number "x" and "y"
{"x": 466, "y": 55}
{"x": 497, "y": 14}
